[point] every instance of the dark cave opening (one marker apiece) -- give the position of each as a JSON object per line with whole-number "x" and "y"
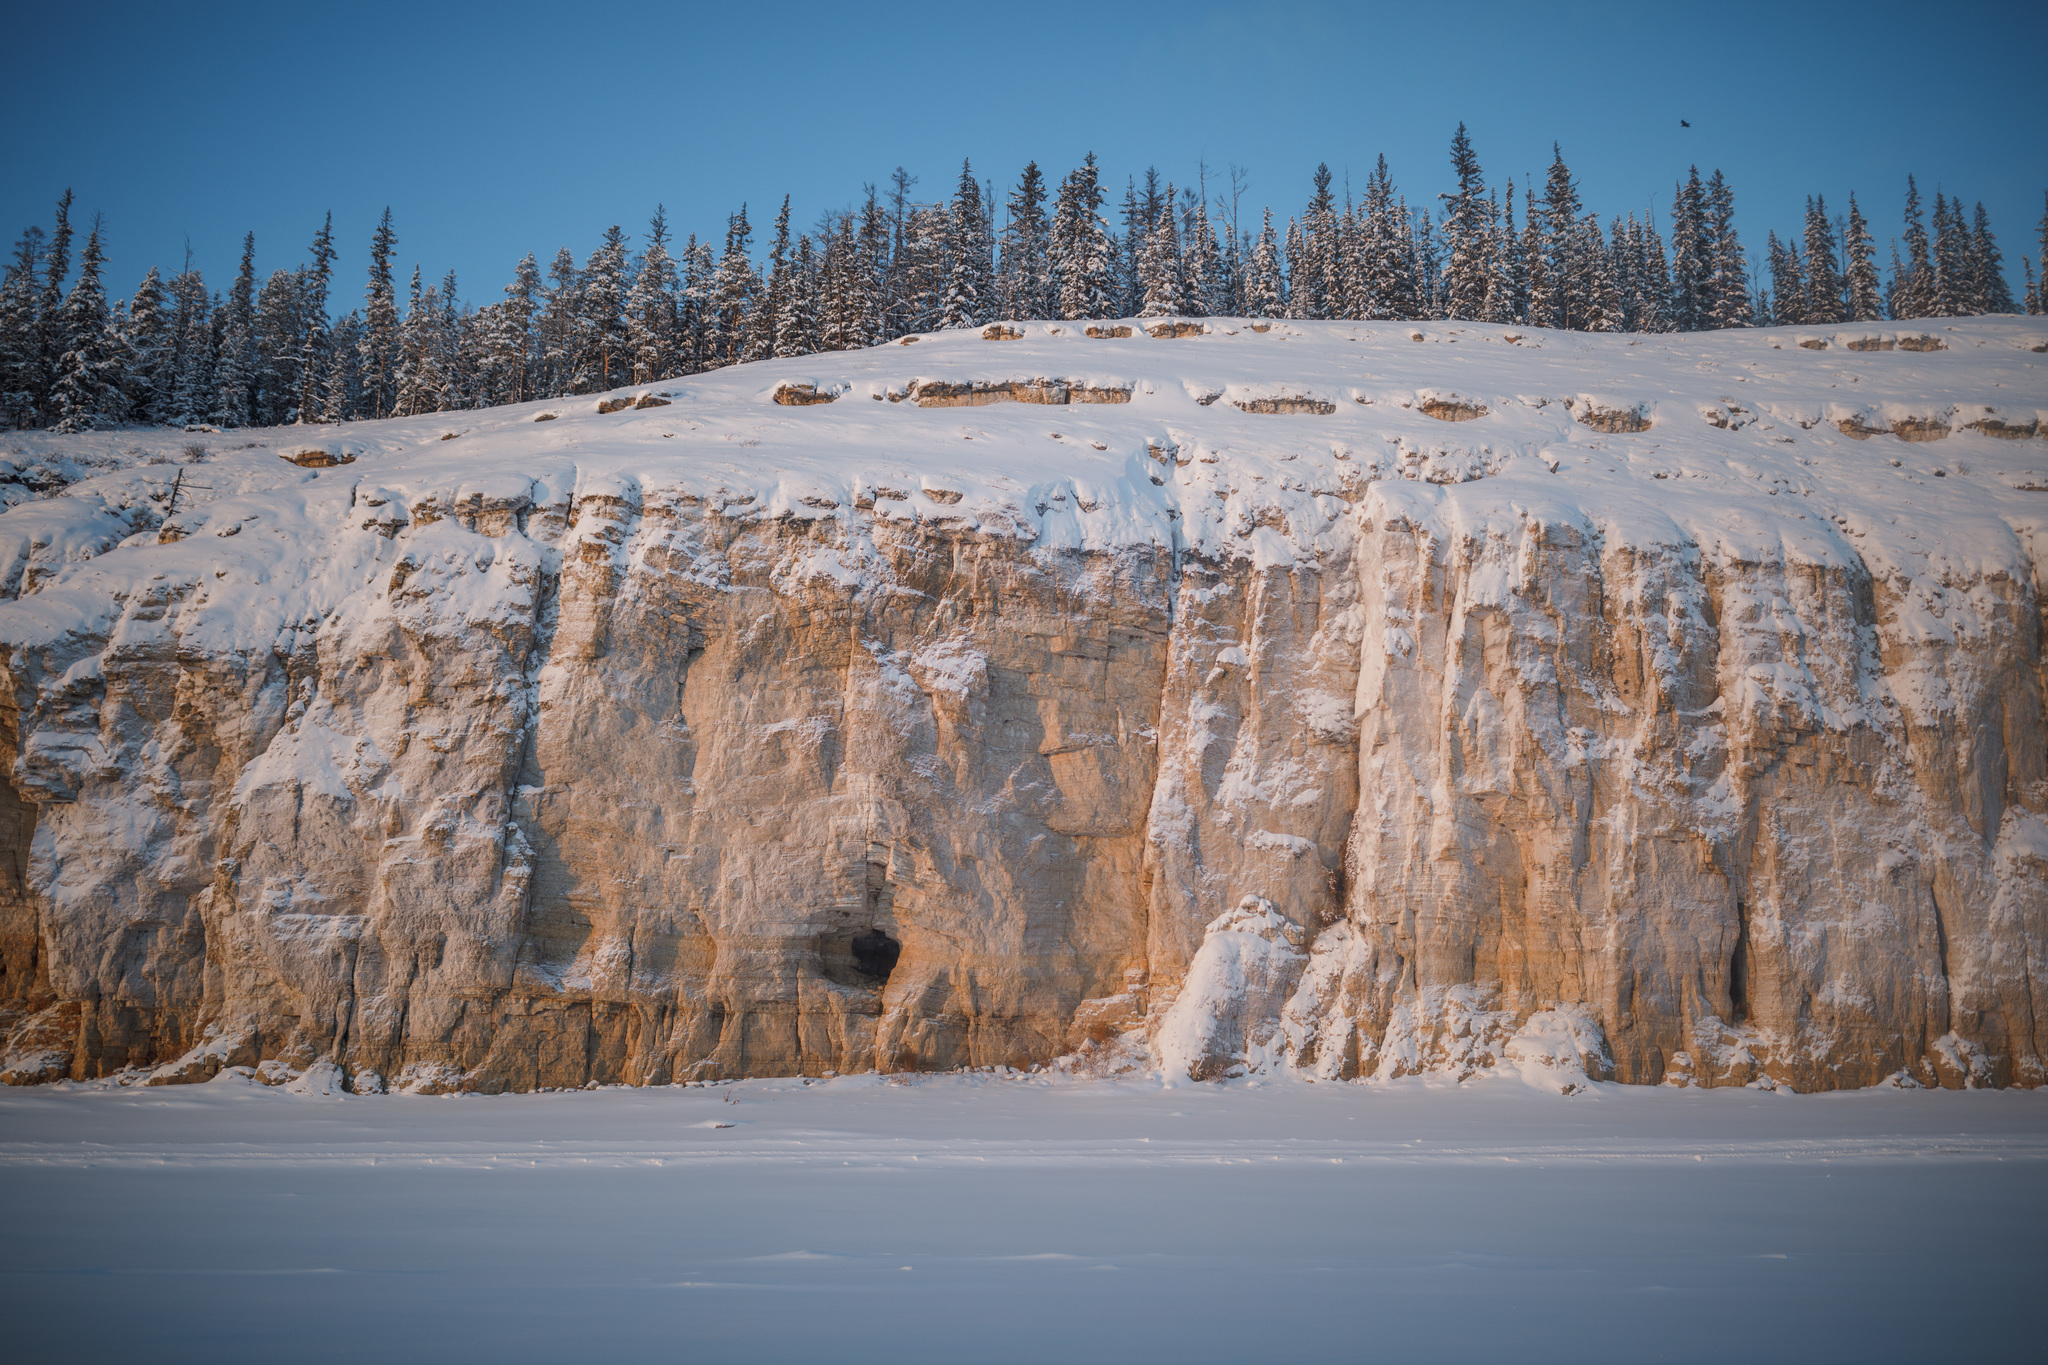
{"x": 875, "y": 954}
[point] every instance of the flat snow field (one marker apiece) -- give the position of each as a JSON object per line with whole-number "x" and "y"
{"x": 990, "y": 1218}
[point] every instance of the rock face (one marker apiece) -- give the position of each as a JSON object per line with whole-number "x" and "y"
{"x": 536, "y": 779}
{"x": 630, "y": 819}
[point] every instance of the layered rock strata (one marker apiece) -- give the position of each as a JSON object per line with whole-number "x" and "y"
{"x": 539, "y": 783}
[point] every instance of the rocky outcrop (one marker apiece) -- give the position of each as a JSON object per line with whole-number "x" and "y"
{"x": 631, "y": 812}
{"x": 1741, "y": 812}
{"x": 939, "y": 393}
{"x": 1286, "y": 404}
{"x": 1362, "y": 764}
{"x": 632, "y": 817}
{"x": 1612, "y": 419}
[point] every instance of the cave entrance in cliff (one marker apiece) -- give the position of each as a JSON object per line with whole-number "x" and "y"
{"x": 875, "y": 954}
{"x": 861, "y": 959}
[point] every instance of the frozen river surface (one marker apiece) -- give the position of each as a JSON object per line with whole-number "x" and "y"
{"x": 982, "y": 1218}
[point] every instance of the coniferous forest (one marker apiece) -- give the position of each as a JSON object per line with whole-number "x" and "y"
{"x": 271, "y": 351}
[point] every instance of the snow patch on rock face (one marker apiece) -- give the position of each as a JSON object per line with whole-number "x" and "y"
{"x": 1226, "y": 1019}
{"x": 1561, "y": 1049}
{"x": 1330, "y": 1033}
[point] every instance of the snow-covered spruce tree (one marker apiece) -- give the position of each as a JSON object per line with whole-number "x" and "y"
{"x": 1504, "y": 279}
{"x": 1602, "y": 300}
{"x": 1988, "y": 265}
{"x": 505, "y": 337}
{"x": 1967, "y": 294}
{"x": 969, "y": 250}
{"x": 922, "y": 266}
{"x": 1427, "y": 255}
{"x": 380, "y": 325}
{"x": 796, "y": 326}
{"x": 1729, "y": 283}
{"x": 486, "y": 355}
{"x": 606, "y": 354}
{"x": 1024, "y": 278}
{"x": 1159, "y": 266}
{"x": 1823, "y": 304}
{"x": 1535, "y": 272}
{"x": 20, "y": 334}
{"x": 1151, "y": 201}
{"x": 869, "y": 293}
{"x": 217, "y": 328}
{"x": 1563, "y": 302}
{"x": 1912, "y": 289}
{"x": 775, "y": 290}
{"x": 280, "y": 342}
{"x": 1201, "y": 269}
{"x": 1690, "y": 253}
{"x": 1350, "y": 291}
{"x": 1313, "y": 266}
{"x": 513, "y": 337}
{"x": 457, "y": 342}
{"x": 89, "y": 372}
{"x": 1124, "y": 248}
{"x": 234, "y": 375}
{"x": 693, "y": 321}
{"x": 419, "y": 377}
{"x": 835, "y": 285}
{"x": 1389, "y": 251}
{"x": 1140, "y": 212}
{"x": 733, "y": 292}
{"x": 454, "y": 352}
{"x": 839, "y": 314}
{"x": 1083, "y": 254}
{"x": 1022, "y": 273}
{"x": 1468, "y": 235}
{"x": 897, "y": 259}
{"x": 560, "y": 327}
{"x": 1866, "y": 303}
{"x": 1788, "y": 282}
{"x": 1623, "y": 261}
{"x": 1654, "y": 307}
{"x": 911, "y": 295}
{"x": 344, "y": 390}
{"x": 1950, "y": 262}
{"x": 1227, "y": 295}
{"x": 415, "y": 379}
{"x": 192, "y": 324}
{"x": 451, "y": 355}
{"x": 1061, "y": 246}
{"x": 1292, "y": 254}
{"x": 152, "y": 353}
{"x": 1264, "y": 289}
{"x": 2041, "y": 288}
{"x": 779, "y": 299}
{"x": 651, "y": 307}
{"x": 51, "y": 342}
{"x": 316, "y": 354}
{"x": 985, "y": 253}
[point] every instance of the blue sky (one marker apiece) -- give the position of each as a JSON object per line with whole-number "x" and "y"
{"x": 493, "y": 130}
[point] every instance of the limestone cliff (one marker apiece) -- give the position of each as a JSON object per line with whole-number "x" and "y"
{"x": 748, "y": 734}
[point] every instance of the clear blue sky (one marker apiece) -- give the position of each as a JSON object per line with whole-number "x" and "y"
{"x": 496, "y": 129}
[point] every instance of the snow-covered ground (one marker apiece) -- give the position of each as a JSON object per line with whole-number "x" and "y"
{"x": 998, "y": 1218}
{"x": 1069, "y": 441}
